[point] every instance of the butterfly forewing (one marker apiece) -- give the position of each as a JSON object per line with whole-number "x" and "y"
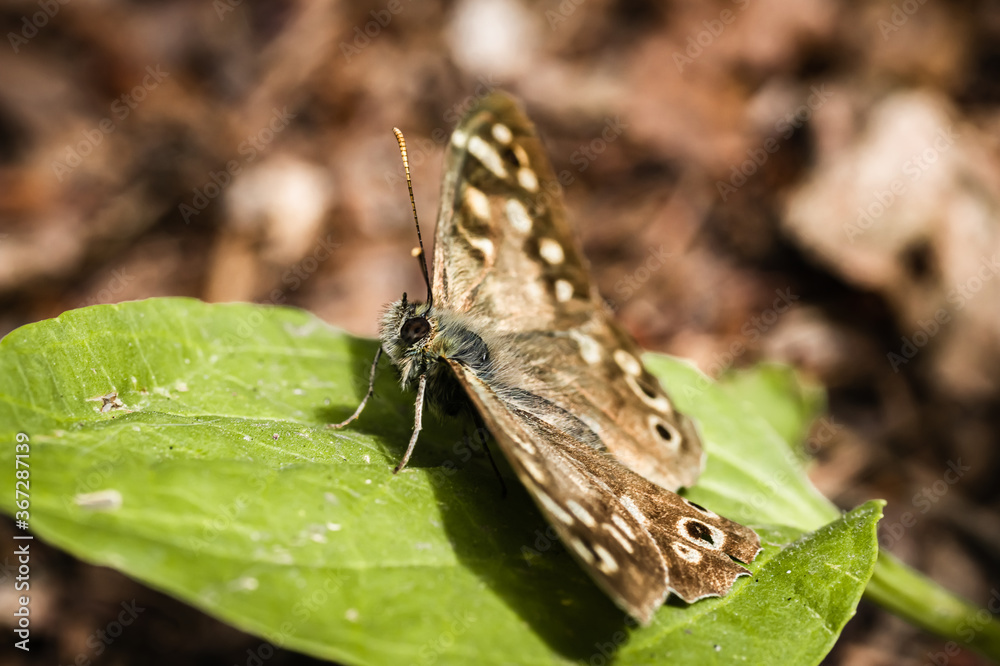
{"x": 504, "y": 250}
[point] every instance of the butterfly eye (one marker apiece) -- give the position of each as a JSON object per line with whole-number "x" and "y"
{"x": 414, "y": 329}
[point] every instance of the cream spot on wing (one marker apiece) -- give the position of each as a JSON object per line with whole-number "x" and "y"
{"x": 521, "y": 154}
{"x": 618, "y": 537}
{"x": 551, "y": 506}
{"x": 622, "y": 525}
{"x": 459, "y": 138}
{"x": 581, "y": 550}
{"x": 551, "y": 251}
{"x": 518, "y": 216}
{"x": 582, "y": 514}
{"x": 630, "y": 506}
{"x": 564, "y": 290}
{"x": 484, "y": 245}
{"x": 527, "y": 446}
{"x": 686, "y": 552}
{"x": 628, "y": 363}
{"x": 488, "y": 155}
{"x": 607, "y": 563}
{"x": 477, "y": 202}
{"x": 590, "y": 351}
{"x": 533, "y": 470}
{"x": 658, "y": 402}
{"x": 716, "y": 536}
{"x": 527, "y": 179}
{"x": 502, "y": 133}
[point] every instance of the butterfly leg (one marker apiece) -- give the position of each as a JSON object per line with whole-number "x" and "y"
{"x": 364, "y": 401}
{"x": 417, "y": 423}
{"x": 481, "y": 432}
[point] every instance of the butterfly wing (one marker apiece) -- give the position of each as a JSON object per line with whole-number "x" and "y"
{"x": 638, "y": 541}
{"x": 512, "y": 259}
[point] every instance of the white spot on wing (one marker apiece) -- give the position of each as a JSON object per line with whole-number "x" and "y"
{"x": 607, "y": 563}
{"x": 533, "y": 470}
{"x": 630, "y": 506}
{"x": 628, "y": 363}
{"x": 618, "y": 537}
{"x": 502, "y": 133}
{"x": 589, "y": 349}
{"x": 459, "y": 138}
{"x": 582, "y": 514}
{"x": 581, "y": 550}
{"x": 527, "y": 179}
{"x": 477, "y": 202}
{"x": 564, "y": 290}
{"x": 686, "y": 552}
{"x": 551, "y": 251}
{"x": 488, "y": 155}
{"x": 623, "y": 525}
{"x": 484, "y": 245}
{"x": 518, "y": 216}
{"x": 551, "y": 506}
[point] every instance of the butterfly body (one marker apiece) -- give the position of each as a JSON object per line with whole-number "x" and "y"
{"x": 514, "y": 330}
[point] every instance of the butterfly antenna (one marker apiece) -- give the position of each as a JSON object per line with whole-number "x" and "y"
{"x": 419, "y": 253}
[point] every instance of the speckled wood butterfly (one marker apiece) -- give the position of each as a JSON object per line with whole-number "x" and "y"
{"x": 514, "y": 331}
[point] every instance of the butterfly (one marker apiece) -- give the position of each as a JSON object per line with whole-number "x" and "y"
{"x": 514, "y": 331}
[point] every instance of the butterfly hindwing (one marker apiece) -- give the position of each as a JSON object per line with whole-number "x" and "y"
{"x": 636, "y": 539}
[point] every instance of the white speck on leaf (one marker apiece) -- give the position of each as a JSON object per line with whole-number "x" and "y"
{"x": 102, "y": 500}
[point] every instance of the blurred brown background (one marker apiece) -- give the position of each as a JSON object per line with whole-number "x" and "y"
{"x": 725, "y": 157}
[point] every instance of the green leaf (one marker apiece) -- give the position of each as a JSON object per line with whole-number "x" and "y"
{"x": 184, "y": 444}
{"x": 781, "y": 395}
